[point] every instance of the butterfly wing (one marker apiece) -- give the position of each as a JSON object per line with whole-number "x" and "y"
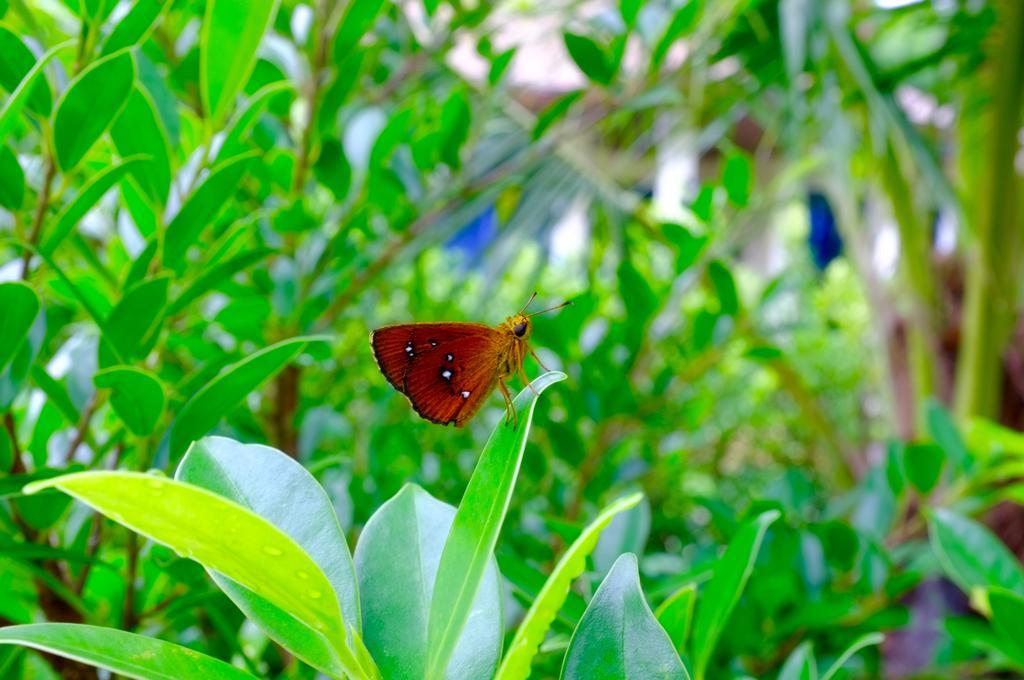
{"x": 445, "y": 369}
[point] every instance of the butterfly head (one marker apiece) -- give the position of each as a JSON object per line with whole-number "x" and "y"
{"x": 519, "y": 326}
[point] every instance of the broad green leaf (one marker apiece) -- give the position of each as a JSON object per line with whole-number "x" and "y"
{"x": 971, "y": 555}
{"x": 19, "y": 366}
{"x": 800, "y": 665}
{"x": 629, "y": 9}
{"x": 25, "y": 91}
{"x": 213, "y": 277}
{"x": 946, "y": 435}
{"x": 90, "y": 105}
{"x": 127, "y": 654}
{"x": 88, "y": 196}
{"x": 470, "y": 545}
{"x": 555, "y": 112}
{"x": 737, "y": 178}
{"x": 202, "y": 208}
{"x": 923, "y": 465}
{"x": 675, "y": 614}
{"x": 139, "y": 132}
{"x": 618, "y": 636}
{"x": 725, "y": 288}
{"x": 223, "y": 72}
{"x": 17, "y": 62}
{"x": 539, "y": 617}
{"x": 358, "y": 18}
{"x": 234, "y": 141}
{"x": 137, "y": 397}
{"x": 718, "y": 599}
{"x": 223, "y": 393}
{"x": 859, "y": 644}
{"x": 12, "y": 181}
{"x": 136, "y": 26}
{"x": 589, "y": 57}
{"x": 1008, "y": 619}
{"x": 134, "y": 322}
{"x": 627, "y": 533}
{"x": 55, "y": 393}
{"x": 215, "y": 532}
{"x": 280, "y": 490}
{"x": 683, "y": 21}
{"x": 397, "y": 559}
{"x": 18, "y": 309}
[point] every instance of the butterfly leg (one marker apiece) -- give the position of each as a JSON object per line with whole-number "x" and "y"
{"x": 529, "y": 383}
{"x": 510, "y": 408}
{"x": 539, "y": 362}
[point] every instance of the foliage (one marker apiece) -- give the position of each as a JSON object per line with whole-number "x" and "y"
{"x": 763, "y": 455}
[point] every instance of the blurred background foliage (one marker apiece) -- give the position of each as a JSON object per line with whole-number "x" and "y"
{"x": 791, "y": 230}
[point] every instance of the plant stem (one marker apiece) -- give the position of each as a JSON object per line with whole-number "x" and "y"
{"x": 995, "y": 256}
{"x": 50, "y": 170}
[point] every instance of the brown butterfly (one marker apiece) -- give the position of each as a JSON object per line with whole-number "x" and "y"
{"x": 447, "y": 370}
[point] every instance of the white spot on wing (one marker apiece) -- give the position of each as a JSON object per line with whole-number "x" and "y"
{"x": 446, "y": 374}
{"x": 450, "y": 357}
{"x": 465, "y": 394}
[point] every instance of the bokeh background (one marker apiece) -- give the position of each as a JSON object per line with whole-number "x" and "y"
{"x": 791, "y": 229}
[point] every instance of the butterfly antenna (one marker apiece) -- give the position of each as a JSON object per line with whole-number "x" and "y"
{"x": 532, "y": 298}
{"x": 551, "y": 309}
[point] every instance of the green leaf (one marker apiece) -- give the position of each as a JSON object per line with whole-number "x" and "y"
{"x": 234, "y": 141}
{"x": 17, "y": 62}
{"x": 971, "y": 555}
{"x": 134, "y": 323}
{"x": 923, "y": 465}
{"x": 136, "y": 25}
{"x": 683, "y": 21}
{"x": 589, "y": 57}
{"x": 137, "y": 397}
{"x": 629, "y": 9}
{"x": 223, "y": 393}
{"x": 55, "y": 393}
{"x": 455, "y": 125}
{"x": 88, "y": 196}
{"x": 397, "y": 559}
{"x": 627, "y": 533}
{"x": 12, "y": 181}
{"x": 215, "y": 532}
{"x": 214, "y": 276}
{"x": 725, "y": 288}
{"x": 946, "y": 435}
{"x": 800, "y": 665}
{"x": 737, "y": 178}
{"x": 223, "y": 72}
{"x": 859, "y": 644}
{"x": 90, "y": 105}
{"x": 18, "y": 309}
{"x": 722, "y": 592}
{"x": 675, "y": 614}
{"x": 538, "y": 619}
{"x": 555, "y": 111}
{"x": 1008, "y": 620}
{"x": 358, "y": 18}
{"x": 202, "y": 208}
{"x": 618, "y": 636}
{"x": 127, "y": 654}
{"x": 470, "y": 545}
{"x": 280, "y": 490}
{"x": 139, "y": 132}
{"x": 25, "y": 91}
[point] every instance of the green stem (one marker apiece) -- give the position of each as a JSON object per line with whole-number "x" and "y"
{"x": 995, "y": 255}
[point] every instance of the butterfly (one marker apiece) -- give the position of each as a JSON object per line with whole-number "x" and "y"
{"x": 447, "y": 370}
